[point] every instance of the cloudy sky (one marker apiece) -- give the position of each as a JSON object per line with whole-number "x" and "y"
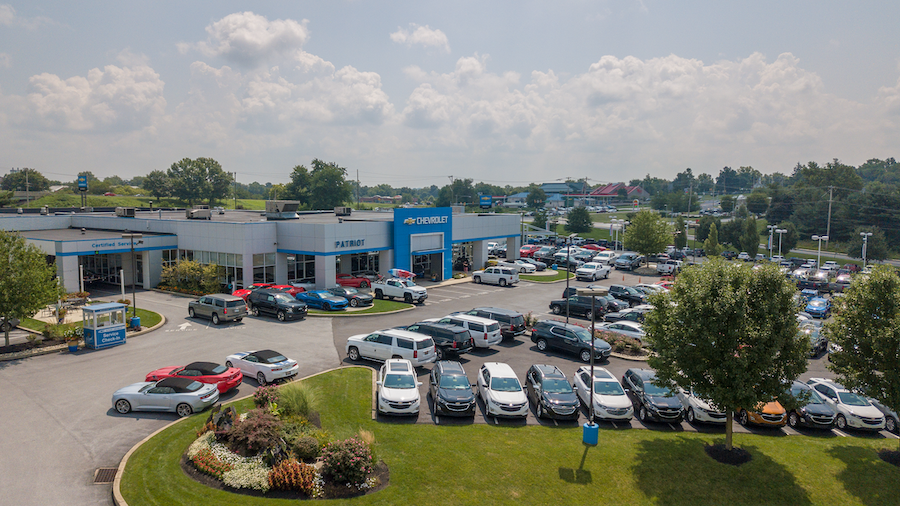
{"x": 412, "y": 92}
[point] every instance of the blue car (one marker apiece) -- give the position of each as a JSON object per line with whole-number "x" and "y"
{"x": 321, "y": 299}
{"x": 818, "y": 307}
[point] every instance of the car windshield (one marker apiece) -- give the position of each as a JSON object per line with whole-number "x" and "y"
{"x": 590, "y": 266}
{"x": 557, "y": 386}
{"x": 408, "y": 282}
{"x": 350, "y": 291}
{"x": 284, "y": 298}
{"x": 234, "y": 303}
{"x": 851, "y": 399}
{"x": 454, "y": 382}
{"x": 584, "y": 335}
{"x": 817, "y": 303}
{"x": 652, "y": 389}
{"x": 505, "y": 384}
{"x": 276, "y": 359}
{"x": 813, "y": 395}
{"x": 399, "y": 381}
{"x": 608, "y": 388}
{"x": 147, "y": 387}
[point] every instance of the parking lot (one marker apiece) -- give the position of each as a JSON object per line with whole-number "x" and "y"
{"x": 61, "y": 427}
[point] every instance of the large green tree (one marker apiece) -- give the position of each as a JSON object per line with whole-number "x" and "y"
{"x": 16, "y": 181}
{"x": 157, "y": 184}
{"x": 788, "y": 239}
{"x": 198, "y": 180}
{"x": 647, "y": 234}
{"x": 726, "y": 202}
{"x": 866, "y": 334}
{"x": 680, "y": 233}
{"x": 876, "y": 245}
{"x": 757, "y": 202}
{"x": 328, "y": 185}
{"x": 729, "y": 332}
{"x": 536, "y": 197}
{"x": 578, "y": 220}
{"x": 749, "y": 238}
{"x": 711, "y": 245}
{"x": 27, "y": 281}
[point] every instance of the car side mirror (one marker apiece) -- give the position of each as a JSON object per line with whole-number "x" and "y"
{"x": 418, "y": 383}
{"x": 378, "y": 383}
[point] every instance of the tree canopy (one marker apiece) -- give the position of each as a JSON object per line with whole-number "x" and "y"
{"x": 578, "y": 220}
{"x": 866, "y": 335}
{"x": 198, "y": 180}
{"x": 536, "y": 197}
{"x": 27, "y": 281}
{"x": 729, "y": 332}
{"x": 16, "y": 181}
{"x": 711, "y": 245}
{"x": 647, "y": 234}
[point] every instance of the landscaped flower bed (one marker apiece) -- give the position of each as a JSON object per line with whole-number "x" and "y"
{"x": 275, "y": 450}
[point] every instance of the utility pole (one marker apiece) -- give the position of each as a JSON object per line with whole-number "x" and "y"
{"x": 828, "y": 227}
{"x": 26, "y": 188}
{"x": 357, "y": 188}
{"x": 690, "y": 197}
{"x": 451, "y": 190}
{"x": 234, "y": 188}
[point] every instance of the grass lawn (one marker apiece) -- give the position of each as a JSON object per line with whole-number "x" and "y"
{"x": 378, "y": 306}
{"x": 560, "y": 274}
{"x": 484, "y": 464}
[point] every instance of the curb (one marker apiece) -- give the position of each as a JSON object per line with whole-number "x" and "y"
{"x": 53, "y": 349}
{"x": 119, "y": 500}
{"x": 351, "y": 315}
{"x": 631, "y": 358}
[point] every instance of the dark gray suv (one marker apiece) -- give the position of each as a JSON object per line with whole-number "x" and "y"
{"x": 569, "y": 338}
{"x": 278, "y": 304}
{"x": 218, "y": 307}
{"x": 448, "y": 339}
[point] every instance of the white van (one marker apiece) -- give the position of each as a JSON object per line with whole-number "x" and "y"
{"x": 484, "y": 331}
{"x": 392, "y": 343}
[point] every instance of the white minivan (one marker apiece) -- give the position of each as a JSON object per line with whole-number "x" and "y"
{"x": 484, "y": 332}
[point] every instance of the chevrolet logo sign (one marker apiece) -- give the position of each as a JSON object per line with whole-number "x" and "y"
{"x": 426, "y": 220}
{"x": 409, "y": 221}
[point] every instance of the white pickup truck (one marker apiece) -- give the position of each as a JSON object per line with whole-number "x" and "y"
{"x": 669, "y": 267}
{"x": 399, "y": 288}
{"x": 502, "y": 276}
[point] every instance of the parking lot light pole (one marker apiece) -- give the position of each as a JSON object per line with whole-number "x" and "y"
{"x": 568, "y": 262}
{"x": 865, "y": 237}
{"x": 593, "y": 293}
{"x": 780, "y": 232}
{"x": 132, "y": 237}
{"x": 819, "y": 238}
{"x": 771, "y": 236}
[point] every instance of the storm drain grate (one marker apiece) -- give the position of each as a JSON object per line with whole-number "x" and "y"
{"x": 105, "y": 475}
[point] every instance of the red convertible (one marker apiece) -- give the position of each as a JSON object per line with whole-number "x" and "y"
{"x": 289, "y": 289}
{"x": 353, "y": 281}
{"x": 225, "y": 378}
{"x": 245, "y": 292}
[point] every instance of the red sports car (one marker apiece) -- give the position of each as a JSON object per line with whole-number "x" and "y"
{"x": 528, "y": 250}
{"x": 245, "y": 292}
{"x": 292, "y": 290}
{"x": 353, "y": 281}
{"x": 594, "y": 247}
{"x": 225, "y": 378}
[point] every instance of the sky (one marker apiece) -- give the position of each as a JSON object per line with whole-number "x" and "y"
{"x": 412, "y": 93}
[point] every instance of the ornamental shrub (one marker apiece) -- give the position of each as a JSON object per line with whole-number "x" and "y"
{"x": 348, "y": 461}
{"x": 258, "y": 432}
{"x": 266, "y": 395}
{"x": 297, "y": 399}
{"x": 306, "y": 448}
{"x": 292, "y": 475}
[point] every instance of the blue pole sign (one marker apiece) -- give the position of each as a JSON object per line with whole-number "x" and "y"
{"x": 82, "y": 183}
{"x": 485, "y": 201}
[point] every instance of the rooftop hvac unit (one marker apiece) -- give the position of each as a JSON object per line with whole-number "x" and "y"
{"x": 342, "y": 211}
{"x": 282, "y": 209}
{"x": 198, "y": 213}
{"x": 125, "y": 212}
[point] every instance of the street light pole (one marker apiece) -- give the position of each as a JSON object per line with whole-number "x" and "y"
{"x": 771, "y": 233}
{"x": 568, "y": 260}
{"x": 132, "y": 237}
{"x": 781, "y": 233}
{"x": 592, "y": 293}
{"x": 865, "y": 236}
{"x": 819, "y": 238}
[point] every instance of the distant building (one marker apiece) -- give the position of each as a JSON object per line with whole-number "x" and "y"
{"x": 611, "y": 191}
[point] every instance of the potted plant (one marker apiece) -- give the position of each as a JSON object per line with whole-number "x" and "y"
{"x": 72, "y": 337}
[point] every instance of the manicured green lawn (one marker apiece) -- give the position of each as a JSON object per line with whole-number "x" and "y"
{"x": 560, "y": 274}
{"x": 378, "y": 306}
{"x": 510, "y": 464}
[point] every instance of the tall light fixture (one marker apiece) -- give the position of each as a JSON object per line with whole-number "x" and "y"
{"x": 780, "y": 232}
{"x": 865, "y": 236}
{"x": 132, "y": 237}
{"x": 771, "y": 235}
{"x": 819, "y": 238}
{"x": 568, "y": 260}
{"x": 593, "y": 293}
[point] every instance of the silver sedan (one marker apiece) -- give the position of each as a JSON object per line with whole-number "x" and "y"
{"x": 178, "y": 395}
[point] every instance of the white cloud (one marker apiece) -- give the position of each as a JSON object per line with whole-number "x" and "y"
{"x": 249, "y": 40}
{"x": 7, "y": 14}
{"x": 5, "y": 60}
{"x": 8, "y": 17}
{"x": 421, "y": 35}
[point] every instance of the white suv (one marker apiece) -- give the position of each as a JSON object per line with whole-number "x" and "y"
{"x": 398, "y": 388}
{"x": 483, "y": 331}
{"x": 853, "y": 410}
{"x": 609, "y": 398}
{"x": 383, "y": 345}
{"x": 501, "y": 391}
{"x": 502, "y": 276}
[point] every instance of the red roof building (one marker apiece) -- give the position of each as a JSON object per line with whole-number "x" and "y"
{"x": 612, "y": 191}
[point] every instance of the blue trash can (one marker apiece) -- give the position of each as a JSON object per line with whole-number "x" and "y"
{"x": 554, "y": 267}
{"x": 591, "y": 434}
{"x": 135, "y": 322}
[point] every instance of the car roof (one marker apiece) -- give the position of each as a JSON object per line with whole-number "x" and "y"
{"x": 498, "y": 310}
{"x": 204, "y": 367}
{"x": 557, "y": 323}
{"x": 600, "y": 373}
{"x": 415, "y": 336}
{"x": 471, "y": 318}
{"x": 637, "y": 326}
{"x": 828, "y": 382}
{"x": 265, "y": 354}
{"x": 549, "y": 371}
{"x": 644, "y": 374}
{"x": 179, "y": 384}
{"x": 499, "y": 369}
{"x": 446, "y": 326}
{"x": 450, "y": 367}
{"x": 223, "y": 296}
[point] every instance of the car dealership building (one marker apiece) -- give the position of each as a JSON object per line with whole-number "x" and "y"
{"x": 308, "y": 248}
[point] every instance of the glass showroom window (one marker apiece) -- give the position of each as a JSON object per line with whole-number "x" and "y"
{"x": 301, "y": 267}
{"x": 362, "y": 262}
{"x": 230, "y": 268}
{"x": 264, "y": 267}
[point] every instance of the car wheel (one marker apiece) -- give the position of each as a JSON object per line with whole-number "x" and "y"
{"x": 841, "y": 422}
{"x": 184, "y": 409}
{"x": 793, "y": 420}
{"x": 215, "y": 319}
{"x": 642, "y": 414}
{"x": 407, "y": 298}
{"x": 354, "y": 302}
{"x": 238, "y": 319}
{"x": 280, "y": 316}
{"x": 585, "y": 356}
{"x": 254, "y": 311}
{"x": 890, "y": 424}
{"x": 228, "y": 363}
{"x": 326, "y": 306}
{"x": 477, "y": 279}
{"x": 690, "y": 415}
{"x": 502, "y": 282}
{"x": 123, "y": 406}
{"x": 353, "y": 353}
{"x": 556, "y": 309}
{"x": 379, "y": 294}
{"x": 607, "y": 275}
{"x": 261, "y": 379}
{"x": 439, "y": 353}
{"x": 191, "y": 312}
{"x": 542, "y": 344}
{"x": 744, "y": 417}
{"x": 364, "y": 284}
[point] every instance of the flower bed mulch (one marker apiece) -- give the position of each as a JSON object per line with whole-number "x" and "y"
{"x": 382, "y": 473}
{"x": 16, "y": 348}
{"x": 735, "y": 457}
{"x": 890, "y": 456}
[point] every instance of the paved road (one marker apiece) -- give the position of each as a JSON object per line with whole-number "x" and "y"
{"x": 59, "y": 427}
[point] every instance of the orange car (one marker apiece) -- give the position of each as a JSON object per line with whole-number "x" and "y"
{"x": 770, "y": 414}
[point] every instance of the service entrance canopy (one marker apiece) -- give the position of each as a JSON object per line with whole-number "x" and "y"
{"x": 104, "y": 325}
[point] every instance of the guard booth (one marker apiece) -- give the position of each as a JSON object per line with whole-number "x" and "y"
{"x": 104, "y": 325}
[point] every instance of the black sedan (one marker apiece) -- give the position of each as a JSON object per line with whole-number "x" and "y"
{"x": 354, "y": 297}
{"x": 551, "y": 393}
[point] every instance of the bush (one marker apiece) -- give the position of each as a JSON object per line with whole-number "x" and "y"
{"x": 292, "y": 475}
{"x": 258, "y": 432}
{"x": 348, "y": 461}
{"x": 266, "y": 395}
{"x": 297, "y": 399}
{"x": 207, "y": 463}
{"x": 306, "y": 448}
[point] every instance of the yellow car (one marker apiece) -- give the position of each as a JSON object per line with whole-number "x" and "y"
{"x": 770, "y": 414}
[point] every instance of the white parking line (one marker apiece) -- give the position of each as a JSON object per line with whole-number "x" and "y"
{"x": 839, "y": 433}
{"x": 891, "y": 434}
